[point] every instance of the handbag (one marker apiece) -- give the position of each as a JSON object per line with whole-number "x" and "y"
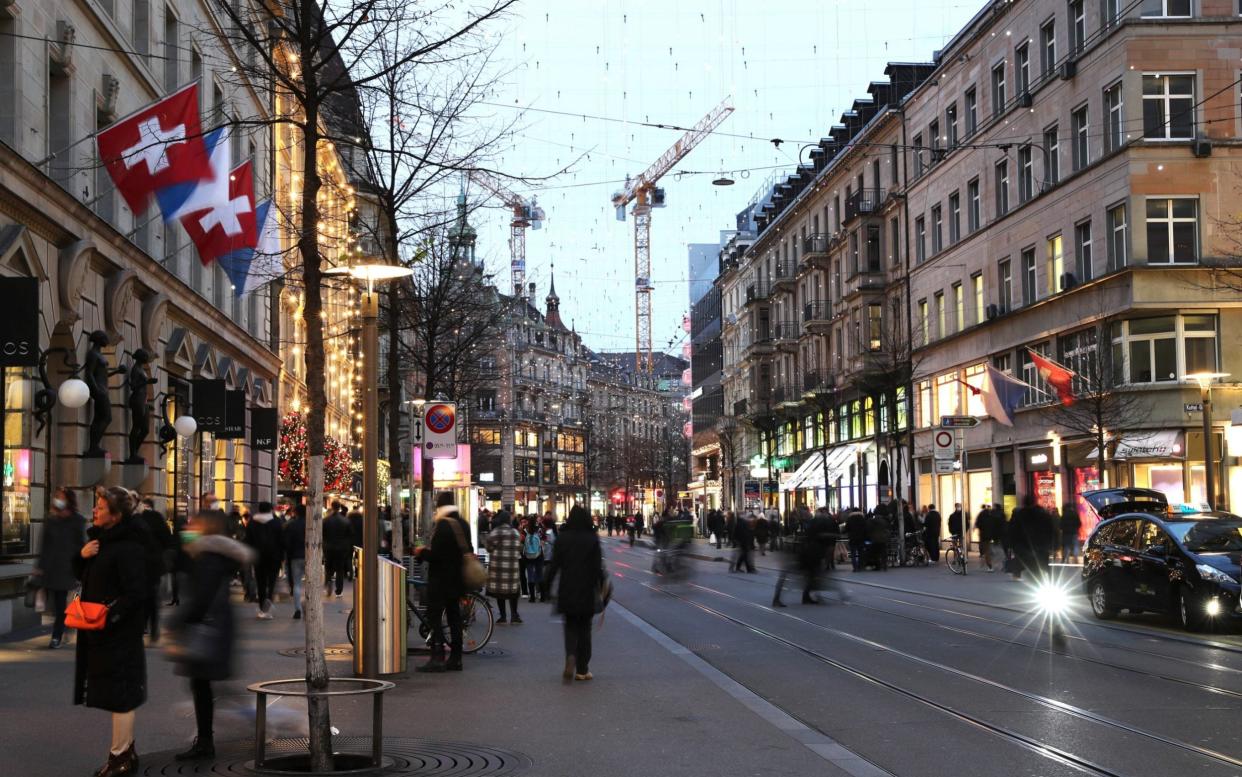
{"x": 86, "y": 616}
{"x": 473, "y": 575}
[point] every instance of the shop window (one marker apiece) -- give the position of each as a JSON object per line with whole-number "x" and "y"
{"x": 15, "y": 479}
{"x": 869, "y": 416}
{"x": 1172, "y": 230}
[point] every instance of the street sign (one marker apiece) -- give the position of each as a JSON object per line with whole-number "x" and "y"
{"x": 943, "y": 445}
{"x": 209, "y": 404}
{"x": 19, "y": 341}
{"x": 958, "y": 421}
{"x": 1193, "y": 407}
{"x": 944, "y": 466}
{"x": 416, "y": 430}
{"x": 440, "y": 430}
{"x": 263, "y": 423}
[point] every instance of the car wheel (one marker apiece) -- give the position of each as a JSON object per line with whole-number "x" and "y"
{"x": 1189, "y": 614}
{"x": 1101, "y": 606}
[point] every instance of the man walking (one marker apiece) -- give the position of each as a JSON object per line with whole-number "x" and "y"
{"x": 294, "y": 537}
{"x": 744, "y": 536}
{"x": 263, "y": 535}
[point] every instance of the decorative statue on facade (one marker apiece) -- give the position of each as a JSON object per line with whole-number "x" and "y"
{"x": 96, "y": 373}
{"x": 139, "y": 409}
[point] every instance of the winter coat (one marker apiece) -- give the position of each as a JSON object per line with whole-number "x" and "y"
{"x": 110, "y": 670}
{"x": 63, "y": 537}
{"x": 214, "y": 560}
{"x": 856, "y": 527}
{"x": 263, "y": 535}
{"x": 931, "y": 527}
{"x": 357, "y": 529}
{"x": 293, "y": 536}
{"x": 443, "y": 555}
{"x": 1070, "y": 522}
{"x": 1031, "y": 534}
{"x": 579, "y": 561}
{"x": 761, "y": 530}
{"x": 504, "y": 548}
{"x": 744, "y": 534}
{"x": 955, "y": 523}
{"x": 337, "y": 536}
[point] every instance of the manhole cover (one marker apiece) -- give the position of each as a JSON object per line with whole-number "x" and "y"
{"x": 329, "y": 652}
{"x": 491, "y": 652}
{"x": 403, "y": 756}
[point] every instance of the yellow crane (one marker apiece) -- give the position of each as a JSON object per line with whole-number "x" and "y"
{"x": 525, "y": 214}
{"x": 645, "y": 195}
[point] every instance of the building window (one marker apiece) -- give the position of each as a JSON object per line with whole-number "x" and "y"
{"x": 142, "y": 26}
{"x": 19, "y": 459}
{"x": 973, "y": 215}
{"x": 948, "y": 394}
{"x": 1172, "y": 230}
{"x": 1077, "y": 25}
{"x": 1037, "y": 391}
{"x": 1168, "y": 106}
{"x": 1048, "y": 47}
{"x": 172, "y": 51}
{"x": 933, "y": 136}
{"x": 976, "y": 287}
{"x": 955, "y": 218}
{"x": 1112, "y": 12}
{"x": 1176, "y": 9}
{"x": 1026, "y": 174}
{"x": 920, "y": 240}
{"x": 1082, "y": 250}
{"x": 1004, "y": 274}
{"x": 1113, "y": 118}
{"x": 926, "y": 412}
{"x": 1150, "y": 348}
{"x": 1002, "y": 187}
{"x": 1022, "y": 68}
{"x": 894, "y": 175}
{"x": 1079, "y": 353}
{"x": 924, "y": 323}
{"x": 998, "y": 90}
{"x": 894, "y": 242}
{"x": 873, "y": 248}
{"x": 1117, "y": 249}
{"x": 936, "y": 235}
{"x": 1080, "y": 127}
{"x": 972, "y": 111}
{"x": 940, "y": 330}
{"x": 875, "y": 315}
{"x": 918, "y": 155}
{"x": 1199, "y": 344}
{"x": 1029, "y": 291}
{"x": 950, "y": 124}
{"x": 1056, "y": 264}
{"x": 1052, "y": 157}
{"x": 959, "y": 308}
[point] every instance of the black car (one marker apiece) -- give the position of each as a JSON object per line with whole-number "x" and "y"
{"x": 1142, "y": 557}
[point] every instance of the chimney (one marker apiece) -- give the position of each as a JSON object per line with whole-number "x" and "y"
{"x": 531, "y": 287}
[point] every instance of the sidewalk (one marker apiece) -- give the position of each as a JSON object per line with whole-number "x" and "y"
{"x": 644, "y": 712}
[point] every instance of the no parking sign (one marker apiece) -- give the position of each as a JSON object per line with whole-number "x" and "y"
{"x": 440, "y": 430}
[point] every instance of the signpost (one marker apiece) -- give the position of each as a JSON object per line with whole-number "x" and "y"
{"x": 955, "y": 426}
{"x": 958, "y": 421}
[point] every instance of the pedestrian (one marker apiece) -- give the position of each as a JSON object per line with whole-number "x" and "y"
{"x": 955, "y": 525}
{"x": 985, "y": 522}
{"x": 631, "y": 527}
{"x": 205, "y": 624}
{"x": 263, "y": 535}
{"x": 818, "y": 542}
{"x": 64, "y": 534}
{"x": 357, "y": 527}
{"x": 532, "y": 551}
{"x": 337, "y": 545}
{"x": 156, "y": 545}
{"x": 1071, "y": 523}
{"x": 1031, "y": 535}
{"x": 504, "y": 549}
{"x": 449, "y": 541}
{"x": 293, "y": 537}
{"x": 877, "y": 539}
{"x": 761, "y": 531}
{"x": 549, "y": 537}
{"x": 522, "y": 527}
{"x": 579, "y": 561}
{"x": 931, "y": 533}
{"x": 856, "y": 534}
{"x": 744, "y": 537}
{"x": 730, "y": 527}
{"x": 110, "y": 670}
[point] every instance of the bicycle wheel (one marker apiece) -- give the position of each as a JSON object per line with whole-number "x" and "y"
{"x": 349, "y": 627}
{"x": 956, "y": 562}
{"x": 477, "y": 622}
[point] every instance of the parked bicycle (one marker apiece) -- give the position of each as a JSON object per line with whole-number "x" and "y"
{"x": 916, "y": 552}
{"x": 477, "y": 619}
{"x": 954, "y": 556}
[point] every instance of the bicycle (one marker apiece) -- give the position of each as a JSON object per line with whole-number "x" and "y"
{"x": 954, "y": 557}
{"x": 477, "y": 620}
{"x": 916, "y": 553}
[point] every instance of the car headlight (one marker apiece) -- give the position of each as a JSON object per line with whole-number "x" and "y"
{"x": 1211, "y": 573}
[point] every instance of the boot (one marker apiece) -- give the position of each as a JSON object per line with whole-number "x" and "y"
{"x": 118, "y": 765}
{"x": 201, "y": 750}
{"x": 434, "y": 664}
{"x": 454, "y": 662}
{"x": 776, "y": 602}
{"x": 808, "y": 599}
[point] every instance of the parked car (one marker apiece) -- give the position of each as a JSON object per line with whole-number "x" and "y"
{"x": 1144, "y": 557}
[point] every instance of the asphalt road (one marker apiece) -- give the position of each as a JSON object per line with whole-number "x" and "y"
{"x": 915, "y": 683}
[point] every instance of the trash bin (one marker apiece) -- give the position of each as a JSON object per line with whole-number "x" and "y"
{"x": 679, "y": 530}
{"x": 390, "y": 636}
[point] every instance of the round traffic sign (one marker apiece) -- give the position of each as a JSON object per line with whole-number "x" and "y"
{"x": 944, "y": 439}
{"x": 440, "y": 418}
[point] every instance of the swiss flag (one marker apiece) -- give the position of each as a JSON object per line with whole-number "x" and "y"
{"x": 158, "y": 146}
{"x": 227, "y": 227}
{"x": 1060, "y": 378}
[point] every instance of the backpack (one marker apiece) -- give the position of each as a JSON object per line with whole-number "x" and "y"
{"x": 533, "y": 548}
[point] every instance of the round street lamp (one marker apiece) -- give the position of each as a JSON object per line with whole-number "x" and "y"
{"x": 73, "y": 393}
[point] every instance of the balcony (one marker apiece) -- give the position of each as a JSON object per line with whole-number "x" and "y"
{"x": 867, "y": 279}
{"x": 816, "y": 316}
{"x": 786, "y": 333}
{"x": 785, "y": 275}
{"x": 786, "y": 396}
{"x": 758, "y": 342}
{"x": 816, "y": 383}
{"x": 758, "y": 291}
{"x": 863, "y": 202}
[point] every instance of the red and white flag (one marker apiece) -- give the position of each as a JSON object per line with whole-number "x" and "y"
{"x": 229, "y": 226}
{"x": 1060, "y": 378}
{"x": 158, "y": 146}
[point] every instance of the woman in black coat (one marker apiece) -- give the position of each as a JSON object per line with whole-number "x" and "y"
{"x": 450, "y": 540}
{"x": 64, "y": 534}
{"x": 111, "y": 668}
{"x": 1031, "y": 535}
{"x": 205, "y": 624}
{"x": 579, "y": 561}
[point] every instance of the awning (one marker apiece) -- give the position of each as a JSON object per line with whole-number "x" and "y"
{"x": 811, "y": 474}
{"x": 1162, "y": 444}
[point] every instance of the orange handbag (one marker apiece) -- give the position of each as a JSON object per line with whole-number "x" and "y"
{"x": 86, "y": 616}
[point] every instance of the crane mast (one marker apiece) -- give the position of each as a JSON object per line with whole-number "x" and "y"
{"x": 642, "y": 191}
{"x": 525, "y": 215}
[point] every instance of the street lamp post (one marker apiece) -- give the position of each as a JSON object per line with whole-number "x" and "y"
{"x": 1204, "y": 379}
{"x": 366, "y": 659}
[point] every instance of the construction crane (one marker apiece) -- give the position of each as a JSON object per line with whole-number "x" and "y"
{"x": 525, "y": 214}
{"x": 645, "y": 195}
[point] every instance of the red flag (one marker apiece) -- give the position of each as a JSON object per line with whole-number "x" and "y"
{"x": 229, "y": 226}
{"x": 160, "y": 145}
{"x": 1061, "y": 379}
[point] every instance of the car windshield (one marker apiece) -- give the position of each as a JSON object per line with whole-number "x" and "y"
{"x": 1209, "y": 536}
